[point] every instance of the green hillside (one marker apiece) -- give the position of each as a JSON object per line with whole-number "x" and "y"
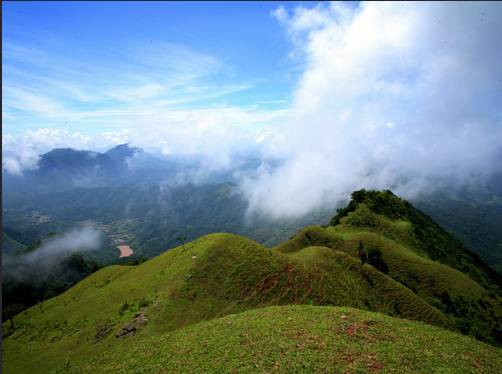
{"x": 418, "y": 254}
{"x": 120, "y": 310}
{"x": 290, "y": 339}
{"x": 213, "y": 276}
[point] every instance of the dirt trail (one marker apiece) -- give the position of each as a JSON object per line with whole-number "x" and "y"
{"x": 125, "y": 250}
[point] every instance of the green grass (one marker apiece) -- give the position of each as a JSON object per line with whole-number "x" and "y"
{"x": 220, "y": 275}
{"x": 213, "y": 276}
{"x": 300, "y": 339}
{"x": 473, "y": 309}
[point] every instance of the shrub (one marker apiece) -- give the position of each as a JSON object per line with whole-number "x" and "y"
{"x": 143, "y": 302}
{"x": 375, "y": 259}
{"x": 124, "y": 308}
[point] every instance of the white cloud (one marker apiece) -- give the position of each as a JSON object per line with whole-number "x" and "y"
{"x": 42, "y": 82}
{"x": 393, "y": 95}
{"x": 76, "y": 240}
{"x": 217, "y": 134}
{"x": 159, "y": 96}
{"x": 53, "y": 251}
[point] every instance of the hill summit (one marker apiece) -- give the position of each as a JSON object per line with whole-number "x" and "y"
{"x": 371, "y": 209}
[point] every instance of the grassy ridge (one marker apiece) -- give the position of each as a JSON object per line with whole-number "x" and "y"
{"x": 221, "y": 274}
{"x": 213, "y": 276}
{"x": 384, "y": 210}
{"x": 379, "y": 221}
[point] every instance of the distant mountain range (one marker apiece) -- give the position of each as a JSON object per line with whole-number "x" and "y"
{"x": 65, "y": 168}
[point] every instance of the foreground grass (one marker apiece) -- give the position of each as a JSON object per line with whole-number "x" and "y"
{"x": 214, "y": 276}
{"x": 301, "y": 339}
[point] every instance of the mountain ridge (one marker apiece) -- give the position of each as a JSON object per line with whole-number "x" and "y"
{"x": 221, "y": 274}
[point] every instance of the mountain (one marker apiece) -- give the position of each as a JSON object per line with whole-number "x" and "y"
{"x": 402, "y": 222}
{"x": 378, "y": 254}
{"x": 63, "y": 168}
{"x": 123, "y": 151}
{"x": 149, "y": 219}
{"x": 474, "y": 215}
{"x": 66, "y": 168}
{"x": 134, "y": 163}
{"x": 151, "y": 216}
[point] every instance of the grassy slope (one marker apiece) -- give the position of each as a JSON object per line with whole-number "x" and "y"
{"x": 213, "y": 276}
{"x": 474, "y": 309}
{"x": 221, "y": 274}
{"x": 301, "y": 339}
{"x": 398, "y": 219}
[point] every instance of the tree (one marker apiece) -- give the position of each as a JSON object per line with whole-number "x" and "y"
{"x": 375, "y": 259}
{"x": 181, "y": 240}
{"x": 362, "y": 252}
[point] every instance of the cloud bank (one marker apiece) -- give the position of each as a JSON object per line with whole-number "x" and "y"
{"x": 53, "y": 251}
{"x": 393, "y": 95}
{"x": 216, "y": 134}
{"x": 76, "y": 240}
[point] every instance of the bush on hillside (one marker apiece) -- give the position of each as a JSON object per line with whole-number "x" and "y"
{"x": 375, "y": 259}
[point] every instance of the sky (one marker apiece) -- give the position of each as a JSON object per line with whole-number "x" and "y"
{"x": 208, "y": 77}
{"x": 82, "y": 65}
{"x": 345, "y": 95}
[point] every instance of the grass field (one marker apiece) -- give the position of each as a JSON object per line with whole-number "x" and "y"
{"x": 300, "y": 339}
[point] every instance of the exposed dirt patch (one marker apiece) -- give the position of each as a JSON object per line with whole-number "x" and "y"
{"x": 356, "y": 329}
{"x": 102, "y": 330}
{"x": 369, "y": 360}
{"x": 138, "y": 321}
{"x": 268, "y": 283}
{"x": 360, "y": 330}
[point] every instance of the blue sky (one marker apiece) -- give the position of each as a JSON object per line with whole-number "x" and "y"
{"x": 86, "y": 65}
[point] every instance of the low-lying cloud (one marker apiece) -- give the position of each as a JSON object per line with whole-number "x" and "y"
{"x": 54, "y": 251}
{"x": 401, "y": 95}
{"x": 76, "y": 240}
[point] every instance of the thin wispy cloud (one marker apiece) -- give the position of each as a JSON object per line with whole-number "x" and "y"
{"x": 158, "y": 74}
